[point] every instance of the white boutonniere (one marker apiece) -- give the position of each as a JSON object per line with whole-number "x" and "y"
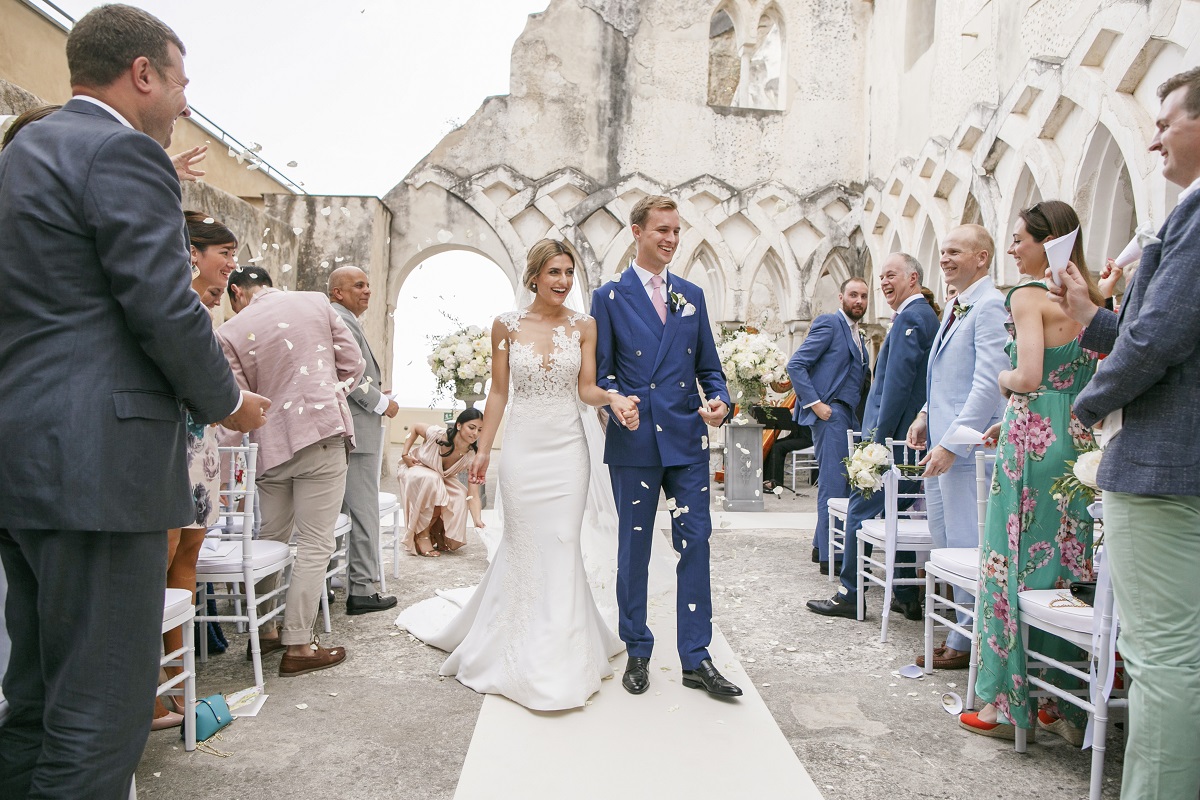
{"x": 678, "y": 302}
{"x": 961, "y": 311}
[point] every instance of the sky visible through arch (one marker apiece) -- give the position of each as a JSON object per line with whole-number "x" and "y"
{"x": 356, "y": 92}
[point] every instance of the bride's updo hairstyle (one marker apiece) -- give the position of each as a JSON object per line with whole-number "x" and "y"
{"x": 541, "y": 253}
{"x": 466, "y": 416}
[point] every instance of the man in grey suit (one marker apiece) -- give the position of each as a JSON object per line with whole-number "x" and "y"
{"x": 103, "y": 348}
{"x": 1148, "y": 393}
{"x": 962, "y": 388}
{"x": 350, "y": 293}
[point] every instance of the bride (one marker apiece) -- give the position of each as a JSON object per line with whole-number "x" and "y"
{"x": 531, "y": 631}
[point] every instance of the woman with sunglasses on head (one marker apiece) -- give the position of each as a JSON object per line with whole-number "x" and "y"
{"x": 1033, "y": 538}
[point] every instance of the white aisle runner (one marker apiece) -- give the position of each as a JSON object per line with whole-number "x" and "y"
{"x": 671, "y": 742}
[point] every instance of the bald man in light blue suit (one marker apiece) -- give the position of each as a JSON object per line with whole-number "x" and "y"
{"x": 963, "y": 389}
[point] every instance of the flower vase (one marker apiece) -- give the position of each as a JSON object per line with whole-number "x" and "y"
{"x": 747, "y": 395}
{"x": 465, "y": 391}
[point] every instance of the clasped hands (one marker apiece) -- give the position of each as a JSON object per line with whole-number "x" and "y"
{"x": 624, "y": 410}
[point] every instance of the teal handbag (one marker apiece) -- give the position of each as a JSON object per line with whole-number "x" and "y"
{"x": 212, "y": 714}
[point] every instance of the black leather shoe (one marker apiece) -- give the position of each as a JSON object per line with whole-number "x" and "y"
{"x": 706, "y": 677}
{"x": 911, "y": 609}
{"x": 637, "y": 675}
{"x": 365, "y": 604}
{"x": 837, "y": 606}
{"x": 837, "y": 568}
{"x": 816, "y": 556}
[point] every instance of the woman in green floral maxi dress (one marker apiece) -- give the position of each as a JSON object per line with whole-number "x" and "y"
{"x": 1032, "y": 539}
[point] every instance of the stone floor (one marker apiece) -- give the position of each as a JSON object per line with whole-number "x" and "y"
{"x": 383, "y": 725}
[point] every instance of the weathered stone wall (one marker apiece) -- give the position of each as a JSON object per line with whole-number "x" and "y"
{"x": 1015, "y": 102}
{"x": 608, "y": 103}
{"x": 331, "y": 232}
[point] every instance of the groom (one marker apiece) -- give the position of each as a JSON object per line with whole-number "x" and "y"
{"x": 654, "y": 342}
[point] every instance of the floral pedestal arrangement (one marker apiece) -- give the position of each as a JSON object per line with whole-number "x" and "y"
{"x": 752, "y": 362}
{"x": 462, "y": 363}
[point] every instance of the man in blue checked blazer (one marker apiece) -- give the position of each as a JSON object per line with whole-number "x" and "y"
{"x": 828, "y": 372}
{"x": 654, "y": 343}
{"x": 1147, "y": 391}
{"x": 897, "y": 394}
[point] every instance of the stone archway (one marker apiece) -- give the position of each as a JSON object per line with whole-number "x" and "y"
{"x": 1104, "y": 199}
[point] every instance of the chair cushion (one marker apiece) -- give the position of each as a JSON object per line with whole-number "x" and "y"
{"x": 262, "y": 554}
{"x": 177, "y": 602}
{"x": 1036, "y": 604}
{"x": 839, "y": 506}
{"x": 911, "y": 534}
{"x": 387, "y": 501}
{"x": 961, "y": 561}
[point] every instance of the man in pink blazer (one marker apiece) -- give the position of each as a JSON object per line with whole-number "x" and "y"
{"x": 293, "y": 348}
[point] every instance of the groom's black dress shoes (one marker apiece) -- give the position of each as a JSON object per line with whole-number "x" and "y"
{"x": 706, "y": 677}
{"x": 837, "y": 606}
{"x": 637, "y": 675}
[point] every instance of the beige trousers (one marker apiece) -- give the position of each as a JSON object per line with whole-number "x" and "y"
{"x": 303, "y": 494}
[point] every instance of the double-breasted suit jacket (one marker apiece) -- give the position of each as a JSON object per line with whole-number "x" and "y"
{"x": 661, "y": 363}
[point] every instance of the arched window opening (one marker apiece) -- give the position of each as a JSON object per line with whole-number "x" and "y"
{"x": 724, "y": 62}
{"x": 765, "y": 80}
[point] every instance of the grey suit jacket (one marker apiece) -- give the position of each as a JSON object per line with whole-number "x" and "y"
{"x": 1153, "y": 367}
{"x": 102, "y": 340}
{"x": 964, "y": 365}
{"x": 368, "y": 436}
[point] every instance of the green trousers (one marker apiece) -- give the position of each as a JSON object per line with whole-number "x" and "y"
{"x": 1154, "y": 554}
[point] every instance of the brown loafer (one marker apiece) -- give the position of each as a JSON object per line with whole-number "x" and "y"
{"x": 266, "y": 647}
{"x": 322, "y": 658}
{"x": 942, "y": 661}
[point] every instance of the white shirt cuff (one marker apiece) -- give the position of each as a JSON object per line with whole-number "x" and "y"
{"x": 382, "y": 405}
{"x": 810, "y": 405}
{"x": 238, "y": 407}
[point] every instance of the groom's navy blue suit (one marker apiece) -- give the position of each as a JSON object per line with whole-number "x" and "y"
{"x": 637, "y": 354}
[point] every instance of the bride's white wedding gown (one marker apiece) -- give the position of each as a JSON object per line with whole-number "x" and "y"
{"x": 531, "y": 630}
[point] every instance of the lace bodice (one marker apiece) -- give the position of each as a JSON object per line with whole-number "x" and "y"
{"x": 539, "y": 378}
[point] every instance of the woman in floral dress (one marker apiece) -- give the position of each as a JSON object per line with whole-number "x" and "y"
{"x": 1033, "y": 540}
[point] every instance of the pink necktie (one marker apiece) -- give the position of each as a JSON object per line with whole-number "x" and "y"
{"x": 656, "y": 297}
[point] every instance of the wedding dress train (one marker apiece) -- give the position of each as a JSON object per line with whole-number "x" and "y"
{"x": 532, "y": 630}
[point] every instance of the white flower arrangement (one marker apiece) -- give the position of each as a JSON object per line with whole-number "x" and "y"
{"x": 1080, "y": 478}
{"x": 462, "y": 361}
{"x": 752, "y": 361}
{"x": 865, "y": 467}
{"x": 1086, "y": 467}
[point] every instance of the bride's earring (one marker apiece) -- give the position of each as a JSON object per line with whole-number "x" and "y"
{"x": 533, "y": 287}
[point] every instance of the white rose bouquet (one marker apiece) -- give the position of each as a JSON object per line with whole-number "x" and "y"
{"x": 752, "y": 362}
{"x": 462, "y": 361}
{"x": 865, "y": 466}
{"x": 1080, "y": 479}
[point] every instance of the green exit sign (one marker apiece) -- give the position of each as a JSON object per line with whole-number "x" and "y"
{"x": 447, "y": 416}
